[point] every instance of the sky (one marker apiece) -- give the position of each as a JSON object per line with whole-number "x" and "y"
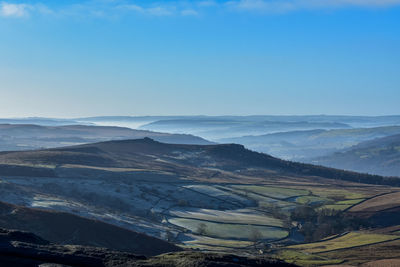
{"x": 241, "y": 57}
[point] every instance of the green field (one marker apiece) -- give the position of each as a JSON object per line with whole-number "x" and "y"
{"x": 342, "y": 205}
{"x": 350, "y": 201}
{"x": 311, "y": 200}
{"x": 305, "y": 259}
{"x": 349, "y": 240}
{"x": 234, "y": 216}
{"x": 274, "y": 192}
{"x": 339, "y": 194}
{"x": 335, "y": 207}
{"x": 263, "y": 201}
{"x": 229, "y": 231}
{"x": 210, "y": 243}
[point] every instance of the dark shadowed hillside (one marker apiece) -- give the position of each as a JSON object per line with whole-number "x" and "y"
{"x": 65, "y": 228}
{"x": 28, "y": 250}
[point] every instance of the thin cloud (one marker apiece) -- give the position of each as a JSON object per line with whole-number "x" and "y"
{"x": 189, "y": 12}
{"x": 160, "y": 11}
{"x": 11, "y": 10}
{"x": 292, "y": 5}
{"x": 14, "y": 10}
{"x": 118, "y": 8}
{"x": 155, "y": 10}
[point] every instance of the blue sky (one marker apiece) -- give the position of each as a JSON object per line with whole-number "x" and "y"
{"x": 125, "y": 57}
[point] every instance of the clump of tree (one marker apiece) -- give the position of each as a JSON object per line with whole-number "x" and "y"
{"x": 255, "y": 236}
{"x": 316, "y": 224}
{"x": 183, "y": 203}
{"x": 202, "y": 229}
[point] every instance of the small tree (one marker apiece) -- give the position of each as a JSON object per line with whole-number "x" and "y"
{"x": 255, "y": 235}
{"x": 183, "y": 203}
{"x": 202, "y": 229}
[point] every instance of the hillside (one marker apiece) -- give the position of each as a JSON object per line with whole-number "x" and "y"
{"x": 65, "y": 228}
{"x": 31, "y": 136}
{"x": 173, "y": 158}
{"x": 26, "y": 249}
{"x": 379, "y": 156}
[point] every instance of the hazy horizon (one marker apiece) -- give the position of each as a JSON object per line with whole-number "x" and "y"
{"x": 196, "y": 115}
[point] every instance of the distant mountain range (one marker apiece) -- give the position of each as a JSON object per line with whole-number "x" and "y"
{"x": 28, "y": 136}
{"x": 353, "y": 121}
{"x": 39, "y": 121}
{"x": 304, "y": 145}
{"x": 378, "y": 156}
{"x": 214, "y": 128}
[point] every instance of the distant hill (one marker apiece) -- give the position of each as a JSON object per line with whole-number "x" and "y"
{"x": 38, "y": 121}
{"x": 222, "y": 127}
{"x": 379, "y": 156}
{"x": 30, "y": 136}
{"x": 354, "y": 121}
{"x": 65, "y": 228}
{"x": 175, "y": 159}
{"x": 305, "y": 145}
